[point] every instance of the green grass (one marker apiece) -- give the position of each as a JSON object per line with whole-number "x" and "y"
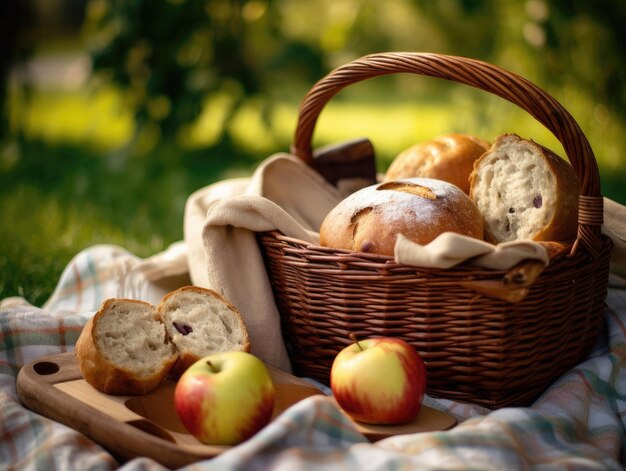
{"x": 66, "y": 186}
{"x": 59, "y": 199}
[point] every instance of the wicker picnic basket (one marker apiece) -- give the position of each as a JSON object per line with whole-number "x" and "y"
{"x": 493, "y": 338}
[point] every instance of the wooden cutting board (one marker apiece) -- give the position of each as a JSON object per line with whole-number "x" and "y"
{"x": 132, "y": 426}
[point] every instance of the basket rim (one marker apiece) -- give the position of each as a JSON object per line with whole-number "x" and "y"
{"x": 388, "y": 263}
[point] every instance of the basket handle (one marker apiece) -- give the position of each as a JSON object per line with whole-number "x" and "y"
{"x": 490, "y": 78}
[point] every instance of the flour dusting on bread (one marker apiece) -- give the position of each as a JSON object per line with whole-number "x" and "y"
{"x": 370, "y": 219}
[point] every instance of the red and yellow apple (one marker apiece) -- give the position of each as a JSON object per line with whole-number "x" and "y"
{"x": 225, "y": 398}
{"x": 379, "y": 381}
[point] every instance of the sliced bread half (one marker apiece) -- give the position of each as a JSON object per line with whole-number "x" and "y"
{"x": 124, "y": 348}
{"x": 525, "y": 191}
{"x": 200, "y": 322}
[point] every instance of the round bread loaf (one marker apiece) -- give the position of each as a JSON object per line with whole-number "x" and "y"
{"x": 124, "y": 349}
{"x": 370, "y": 219}
{"x": 525, "y": 191}
{"x": 449, "y": 157}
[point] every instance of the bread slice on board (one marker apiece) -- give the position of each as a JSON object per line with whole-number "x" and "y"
{"x": 200, "y": 322}
{"x": 129, "y": 346}
{"x": 124, "y": 348}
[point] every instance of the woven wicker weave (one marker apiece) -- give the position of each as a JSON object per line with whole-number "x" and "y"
{"x": 476, "y": 348}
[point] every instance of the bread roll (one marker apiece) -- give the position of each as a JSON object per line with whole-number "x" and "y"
{"x": 201, "y": 322}
{"x": 525, "y": 191}
{"x": 370, "y": 219}
{"x": 449, "y": 157}
{"x": 130, "y": 346}
{"x": 123, "y": 349}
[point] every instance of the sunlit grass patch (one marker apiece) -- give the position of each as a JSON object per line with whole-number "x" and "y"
{"x": 57, "y": 200}
{"x": 43, "y": 232}
{"x": 96, "y": 119}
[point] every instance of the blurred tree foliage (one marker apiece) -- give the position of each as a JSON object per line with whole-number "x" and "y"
{"x": 553, "y": 43}
{"x": 585, "y": 42}
{"x": 170, "y": 55}
{"x": 14, "y": 16}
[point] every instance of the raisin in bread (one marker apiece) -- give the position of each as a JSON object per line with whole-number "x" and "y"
{"x": 525, "y": 191}
{"x": 124, "y": 348}
{"x": 370, "y": 219}
{"x": 449, "y": 157}
{"x": 200, "y": 322}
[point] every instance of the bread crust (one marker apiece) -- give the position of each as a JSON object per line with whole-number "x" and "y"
{"x": 419, "y": 208}
{"x": 185, "y": 360}
{"x": 449, "y": 157}
{"x": 556, "y": 249}
{"x": 104, "y": 375}
{"x": 563, "y": 225}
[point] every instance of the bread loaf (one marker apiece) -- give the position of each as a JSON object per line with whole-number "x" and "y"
{"x": 525, "y": 191}
{"x": 124, "y": 349}
{"x": 449, "y": 157}
{"x": 200, "y": 322}
{"x": 370, "y": 219}
{"x": 129, "y": 347}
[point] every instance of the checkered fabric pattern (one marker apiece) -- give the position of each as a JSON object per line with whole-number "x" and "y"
{"x": 577, "y": 424}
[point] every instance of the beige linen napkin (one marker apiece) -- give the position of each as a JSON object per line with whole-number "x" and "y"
{"x": 450, "y": 249}
{"x": 220, "y": 225}
{"x": 615, "y": 229}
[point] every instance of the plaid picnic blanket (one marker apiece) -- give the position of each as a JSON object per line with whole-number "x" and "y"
{"x": 578, "y": 423}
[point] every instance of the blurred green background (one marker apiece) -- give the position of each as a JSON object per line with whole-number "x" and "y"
{"x": 114, "y": 112}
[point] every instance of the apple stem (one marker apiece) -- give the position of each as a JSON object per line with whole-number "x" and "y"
{"x": 355, "y": 340}
{"x": 212, "y": 366}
